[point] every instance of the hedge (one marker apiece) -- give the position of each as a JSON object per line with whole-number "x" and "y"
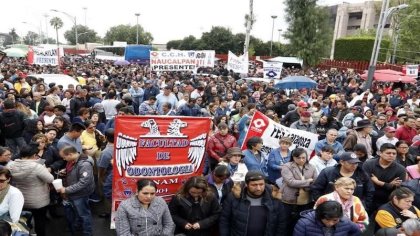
{"x": 358, "y": 49}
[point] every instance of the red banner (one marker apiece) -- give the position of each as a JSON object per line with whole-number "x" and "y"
{"x": 166, "y": 149}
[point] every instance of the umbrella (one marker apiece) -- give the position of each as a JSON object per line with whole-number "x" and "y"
{"x": 390, "y": 76}
{"x": 15, "y": 52}
{"x": 296, "y": 82}
{"x": 121, "y": 63}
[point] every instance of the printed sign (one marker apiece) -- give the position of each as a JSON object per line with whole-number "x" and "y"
{"x": 272, "y": 69}
{"x": 238, "y": 64}
{"x": 45, "y": 55}
{"x": 177, "y": 60}
{"x": 412, "y": 70}
{"x": 271, "y": 132}
{"x": 167, "y": 150}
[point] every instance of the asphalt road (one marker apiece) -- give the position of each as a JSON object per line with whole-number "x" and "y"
{"x": 57, "y": 226}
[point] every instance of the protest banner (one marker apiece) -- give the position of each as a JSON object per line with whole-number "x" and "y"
{"x": 45, "y": 55}
{"x": 238, "y": 64}
{"x": 271, "y": 132}
{"x": 166, "y": 149}
{"x": 272, "y": 69}
{"x": 178, "y": 60}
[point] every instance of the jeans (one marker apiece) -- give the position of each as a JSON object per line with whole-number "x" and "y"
{"x": 78, "y": 213}
{"x": 15, "y": 144}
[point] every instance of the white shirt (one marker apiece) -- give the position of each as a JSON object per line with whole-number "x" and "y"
{"x": 320, "y": 164}
{"x": 12, "y": 204}
{"x": 109, "y": 108}
{"x": 384, "y": 139}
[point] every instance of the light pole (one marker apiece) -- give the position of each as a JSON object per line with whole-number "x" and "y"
{"x": 85, "y": 9}
{"x": 272, "y": 34}
{"x": 385, "y": 13}
{"x": 137, "y": 35}
{"x": 38, "y": 28}
{"x": 279, "y": 34}
{"x": 394, "y": 51}
{"x": 73, "y": 18}
{"x": 46, "y": 27}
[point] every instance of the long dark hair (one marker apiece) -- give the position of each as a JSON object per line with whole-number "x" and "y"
{"x": 198, "y": 182}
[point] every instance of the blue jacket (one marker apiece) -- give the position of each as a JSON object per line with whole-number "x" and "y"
{"x": 275, "y": 161}
{"x": 252, "y": 163}
{"x": 308, "y": 225}
{"x": 338, "y": 148}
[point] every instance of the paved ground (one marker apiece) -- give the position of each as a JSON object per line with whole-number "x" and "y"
{"x": 57, "y": 226}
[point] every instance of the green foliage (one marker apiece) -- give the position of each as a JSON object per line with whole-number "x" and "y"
{"x": 127, "y": 33}
{"x": 219, "y": 39}
{"x": 358, "y": 48}
{"x": 56, "y": 23}
{"x": 309, "y": 31}
{"x": 408, "y": 48}
{"x": 31, "y": 38}
{"x": 173, "y": 44}
{"x": 86, "y": 35}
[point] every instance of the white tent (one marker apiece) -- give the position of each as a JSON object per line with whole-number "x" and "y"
{"x": 291, "y": 60}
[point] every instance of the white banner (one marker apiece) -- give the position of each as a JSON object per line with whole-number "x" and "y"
{"x": 238, "y": 64}
{"x": 272, "y": 69}
{"x": 271, "y": 132}
{"x": 412, "y": 70}
{"x": 45, "y": 55}
{"x": 177, "y": 60}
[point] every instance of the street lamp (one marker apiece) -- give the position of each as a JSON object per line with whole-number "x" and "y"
{"x": 46, "y": 27}
{"x": 137, "y": 38}
{"x": 385, "y": 13}
{"x": 73, "y": 18}
{"x": 272, "y": 34}
{"x": 279, "y": 34}
{"x": 38, "y": 28}
{"x": 85, "y": 9}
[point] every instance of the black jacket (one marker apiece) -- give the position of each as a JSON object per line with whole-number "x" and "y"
{"x": 184, "y": 210}
{"x": 12, "y": 123}
{"x": 41, "y": 106}
{"x": 290, "y": 117}
{"x": 226, "y": 189}
{"x": 324, "y": 184}
{"x": 234, "y": 217}
{"x": 75, "y": 104}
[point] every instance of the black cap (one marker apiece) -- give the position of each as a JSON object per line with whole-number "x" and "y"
{"x": 253, "y": 175}
{"x": 350, "y": 157}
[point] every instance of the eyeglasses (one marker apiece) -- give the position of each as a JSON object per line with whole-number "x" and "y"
{"x": 3, "y": 180}
{"x": 403, "y": 147}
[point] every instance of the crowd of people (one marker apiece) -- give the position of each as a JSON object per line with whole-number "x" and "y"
{"x": 362, "y": 177}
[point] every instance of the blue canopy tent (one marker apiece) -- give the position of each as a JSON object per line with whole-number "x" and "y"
{"x": 296, "y": 82}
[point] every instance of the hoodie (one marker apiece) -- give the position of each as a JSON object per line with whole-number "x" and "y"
{"x": 32, "y": 179}
{"x": 12, "y": 123}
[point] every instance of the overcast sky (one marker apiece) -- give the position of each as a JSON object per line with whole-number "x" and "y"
{"x": 165, "y": 19}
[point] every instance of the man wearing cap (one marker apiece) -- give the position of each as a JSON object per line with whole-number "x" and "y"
{"x": 360, "y": 134}
{"x": 389, "y": 137}
{"x": 349, "y": 118}
{"x": 150, "y": 90}
{"x": 385, "y": 173}
{"x": 293, "y": 116}
{"x": 166, "y": 97}
{"x": 347, "y": 167}
{"x": 252, "y": 210}
{"x": 304, "y": 123}
{"x": 408, "y": 131}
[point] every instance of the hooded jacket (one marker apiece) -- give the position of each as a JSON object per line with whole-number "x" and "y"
{"x": 308, "y": 225}
{"x": 12, "y": 123}
{"x": 79, "y": 181}
{"x": 32, "y": 179}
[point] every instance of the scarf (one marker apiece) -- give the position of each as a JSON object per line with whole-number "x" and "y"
{"x": 233, "y": 168}
{"x": 4, "y": 192}
{"x": 347, "y": 205}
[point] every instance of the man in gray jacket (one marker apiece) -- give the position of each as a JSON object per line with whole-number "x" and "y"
{"x": 79, "y": 184}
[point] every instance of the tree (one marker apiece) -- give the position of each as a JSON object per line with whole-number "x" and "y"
{"x": 14, "y": 37}
{"x": 309, "y": 32}
{"x": 85, "y": 35}
{"x": 408, "y": 48}
{"x": 173, "y": 44}
{"x": 57, "y": 24}
{"x": 219, "y": 39}
{"x": 31, "y": 38}
{"x": 127, "y": 33}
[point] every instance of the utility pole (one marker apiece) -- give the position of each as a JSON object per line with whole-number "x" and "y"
{"x": 272, "y": 34}
{"x": 85, "y": 9}
{"x": 46, "y": 27}
{"x": 249, "y": 25}
{"x": 137, "y": 26}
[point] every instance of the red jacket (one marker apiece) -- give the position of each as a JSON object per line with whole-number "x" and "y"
{"x": 406, "y": 134}
{"x": 218, "y": 145}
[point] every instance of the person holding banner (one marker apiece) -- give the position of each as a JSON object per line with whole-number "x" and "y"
{"x": 195, "y": 209}
{"x": 144, "y": 213}
{"x": 297, "y": 175}
{"x": 254, "y": 158}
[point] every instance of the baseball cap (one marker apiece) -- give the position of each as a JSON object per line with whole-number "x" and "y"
{"x": 390, "y": 129}
{"x": 350, "y": 157}
{"x": 148, "y": 81}
{"x": 302, "y": 104}
{"x": 253, "y": 176}
{"x": 358, "y": 108}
